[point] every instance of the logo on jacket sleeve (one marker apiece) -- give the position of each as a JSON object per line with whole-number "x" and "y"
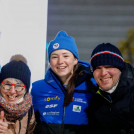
{"x": 76, "y": 108}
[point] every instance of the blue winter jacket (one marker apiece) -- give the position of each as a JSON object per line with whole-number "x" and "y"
{"x": 48, "y": 99}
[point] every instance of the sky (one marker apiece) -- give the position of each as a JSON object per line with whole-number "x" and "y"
{"x": 23, "y": 30}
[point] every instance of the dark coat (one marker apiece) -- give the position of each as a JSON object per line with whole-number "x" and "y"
{"x": 114, "y": 113}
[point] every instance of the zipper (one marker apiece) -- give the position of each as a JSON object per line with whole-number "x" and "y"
{"x": 63, "y": 120}
{"x": 109, "y": 100}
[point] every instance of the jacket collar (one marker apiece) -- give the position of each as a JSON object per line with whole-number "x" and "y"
{"x": 53, "y": 80}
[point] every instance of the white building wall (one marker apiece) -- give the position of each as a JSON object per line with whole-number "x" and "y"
{"x": 23, "y": 30}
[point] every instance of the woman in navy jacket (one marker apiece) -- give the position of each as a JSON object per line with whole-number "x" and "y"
{"x": 62, "y": 99}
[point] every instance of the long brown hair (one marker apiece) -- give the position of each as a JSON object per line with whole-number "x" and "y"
{"x": 71, "y": 85}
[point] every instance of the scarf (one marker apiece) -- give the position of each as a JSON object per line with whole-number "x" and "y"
{"x": 17, "y": 111}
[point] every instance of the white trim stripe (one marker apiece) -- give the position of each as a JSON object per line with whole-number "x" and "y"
{"x": 106, "y": 52}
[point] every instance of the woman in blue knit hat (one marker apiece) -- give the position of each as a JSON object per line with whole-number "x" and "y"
{"x": 61, "y": 100}
{"x": 112, "y": 108}
{"x": 15, "y": 101}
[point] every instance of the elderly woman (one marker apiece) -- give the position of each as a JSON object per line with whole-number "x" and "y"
{"x": 16, "y": 113}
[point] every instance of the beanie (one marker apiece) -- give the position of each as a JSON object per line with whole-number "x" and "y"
{"x": 63, "y": 41}
{"x": 16, "y": 69}
{"x": 106, "y": 54}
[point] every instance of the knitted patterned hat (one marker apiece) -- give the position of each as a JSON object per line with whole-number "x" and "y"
{"x": 63, "y": 41}
{"x": 17, "y": 68}
{"x": 106, "y": 54}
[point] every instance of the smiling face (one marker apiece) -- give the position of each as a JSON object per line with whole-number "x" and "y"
{"x": 12, "y": 90}
{"x": 62, "y": 63}
{"x": 106, "y": 77}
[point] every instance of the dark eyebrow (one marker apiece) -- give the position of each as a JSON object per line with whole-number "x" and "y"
{"x": 66, "y": 53}
{"x": 54, "y": 54}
